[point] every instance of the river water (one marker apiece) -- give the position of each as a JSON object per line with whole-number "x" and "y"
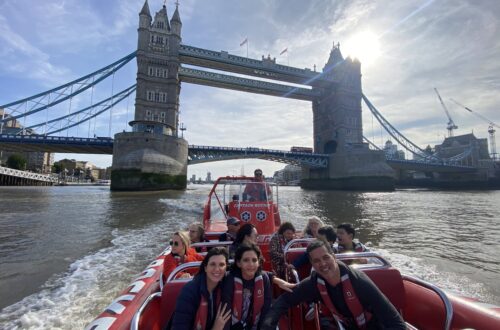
{"x": 66, "y": 252}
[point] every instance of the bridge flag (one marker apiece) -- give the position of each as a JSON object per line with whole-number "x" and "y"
{"x": 284, "y": 51}
{"x": 244, "y": 42}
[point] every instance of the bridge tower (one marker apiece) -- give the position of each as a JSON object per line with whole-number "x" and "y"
{"x": 338, "y": 131}
{"x": 152, "y": 156}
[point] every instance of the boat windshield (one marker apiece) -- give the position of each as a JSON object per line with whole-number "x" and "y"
{"x": 229, "y": 192}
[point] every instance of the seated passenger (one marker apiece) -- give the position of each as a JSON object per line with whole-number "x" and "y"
{"x": 345, "y": 237}
{"x": 181, "y": 252}
{"x": 248, "y": 289}
{"x": 233, "y": 224}
{"x": 325, "y": 233}
{"x": 197, "y": 235}
{"x": 247, "y": 234}
{"x": 199, "y": 304}
{"x": 258, "y": 189}
{"x": 277, "y": 244}
{"x": 348, "y": 294}
{"x": 313, "y": 224}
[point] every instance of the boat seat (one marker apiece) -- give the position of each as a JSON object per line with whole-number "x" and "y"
{"x": 169, "y": 296}
{"x": 390, "y": 282}
{"x": 292, "y": 255}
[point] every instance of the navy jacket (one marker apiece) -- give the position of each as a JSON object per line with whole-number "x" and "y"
{"x": 189, "y": 301}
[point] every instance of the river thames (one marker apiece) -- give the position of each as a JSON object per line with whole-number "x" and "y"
{"x": 66, "y": 252}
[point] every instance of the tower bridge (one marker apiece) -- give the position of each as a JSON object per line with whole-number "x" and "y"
{"x": 154, "y": 156}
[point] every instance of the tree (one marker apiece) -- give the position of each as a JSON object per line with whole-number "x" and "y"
{"x": 57, "y": 168}
{"x": 17, "y": 162}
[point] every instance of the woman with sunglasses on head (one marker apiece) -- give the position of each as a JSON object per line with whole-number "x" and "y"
{"x": 199, "y": 304}
{"x": 181, "y": 252}
{"x": 248, "y": 289}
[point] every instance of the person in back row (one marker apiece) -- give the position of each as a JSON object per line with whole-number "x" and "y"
{"x": 313, "y": 224}
{"x": 181, "y": 252}
{"x": 197, "y": 235}
{"x": 233, "y": 225}
{"x": 277, "y": 244}
{"x": 247, "y": 234}
{"x": 348, "y": 294}
{"x": 345, "y": 238}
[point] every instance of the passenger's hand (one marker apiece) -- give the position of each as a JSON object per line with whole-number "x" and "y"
{"x": 185, "y": 275}
{"x": 223, "y": 315}
{"x": 290, "y": 266}
{"x": 284, "y": 285}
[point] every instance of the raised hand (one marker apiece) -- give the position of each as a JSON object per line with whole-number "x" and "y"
{"x": 223, "y": 315}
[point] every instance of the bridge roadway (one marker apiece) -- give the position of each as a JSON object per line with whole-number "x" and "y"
{"x": 202, "y": 154}
{"x": 265, "y": 68}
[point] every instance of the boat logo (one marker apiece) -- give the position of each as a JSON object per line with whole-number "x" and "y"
{"x": 246, "y": 216}
{"x": 261, "y": 216}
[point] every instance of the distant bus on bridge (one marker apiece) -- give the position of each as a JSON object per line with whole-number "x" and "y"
{"x": 307, "y": 150}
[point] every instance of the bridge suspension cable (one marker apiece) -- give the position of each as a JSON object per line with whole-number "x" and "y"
{"x": 42, "y": 101}
{"x": 400, "y": 138}
{"x": 410, "y": 146}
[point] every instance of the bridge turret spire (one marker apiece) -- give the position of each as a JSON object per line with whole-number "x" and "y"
{"x": 335, "y": 57}
{"x": 175, "y": 22}
{"x": 145, "y": 9}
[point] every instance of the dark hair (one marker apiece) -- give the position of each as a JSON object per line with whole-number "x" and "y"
{"x": 348, "y": 228}
{"x": 328, "y": 232}
{"x": 286, "y": 226}
{"x": 245, "y": 248}
{"x": 257, "y": 170}
{"x": 317, "y": 244}
{"x": 215, "y": 251}
{"x": 245, "y": 230}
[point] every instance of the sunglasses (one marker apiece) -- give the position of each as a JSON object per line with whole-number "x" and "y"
{"x": 258, "y": 173}
{"x": 174, "y": 243}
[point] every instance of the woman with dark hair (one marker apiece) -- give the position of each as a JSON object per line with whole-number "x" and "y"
{"x": 277, "y": 244}
{"x": 248, "y": 290}
{"x": 246, "y": 234}
{"x": 199, "y": 303}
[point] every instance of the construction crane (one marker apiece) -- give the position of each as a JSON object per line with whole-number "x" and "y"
{"x": 451, "y": 125}
{"x": 491, "y": 128}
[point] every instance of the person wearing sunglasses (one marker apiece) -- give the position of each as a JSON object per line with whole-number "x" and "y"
{"x": 233, "y": 225}
{"x": 258, "y": 189}
{"x": 181, "y": 252}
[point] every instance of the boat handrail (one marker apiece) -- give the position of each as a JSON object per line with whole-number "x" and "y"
{"x": 134, "y": 325}
{"x": 444, "y": 297}
{"x": 294, "y": 241}
{"x": 211, "y": 244}
{"x": 361, "y": 255}
{"x": 181, "y": 268}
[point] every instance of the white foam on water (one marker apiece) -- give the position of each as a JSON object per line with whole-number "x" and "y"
{"x": 429, "y": 272}
{"x": 73, "y": 299}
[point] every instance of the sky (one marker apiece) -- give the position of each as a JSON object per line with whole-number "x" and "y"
{"x": 407, "y": 48}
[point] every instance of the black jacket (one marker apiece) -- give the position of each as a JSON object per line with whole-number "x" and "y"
{"x": 384, "y": 315}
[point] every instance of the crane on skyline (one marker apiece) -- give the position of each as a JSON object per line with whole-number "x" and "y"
{"x": 491, "y": 128}
{"x": 451, "y": 125}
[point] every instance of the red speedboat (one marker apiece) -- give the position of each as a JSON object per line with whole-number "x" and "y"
{"x": 147, "y": 303}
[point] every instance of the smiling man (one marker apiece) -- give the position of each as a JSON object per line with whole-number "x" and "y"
{"x": 348, "y": 294}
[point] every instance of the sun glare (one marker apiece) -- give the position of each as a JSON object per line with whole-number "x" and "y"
{"x": 364, "y": 46}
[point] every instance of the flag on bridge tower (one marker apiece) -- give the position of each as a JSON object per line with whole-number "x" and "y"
{"x": 244, "y": 42}
{"x": 284, "y": 51}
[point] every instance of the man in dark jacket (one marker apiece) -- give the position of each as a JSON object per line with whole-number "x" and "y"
{"x": 348, "y": 294}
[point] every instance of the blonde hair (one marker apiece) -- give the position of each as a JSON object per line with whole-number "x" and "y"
{"x": 184, "y": 236}
{"x": 312, "y": 219}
